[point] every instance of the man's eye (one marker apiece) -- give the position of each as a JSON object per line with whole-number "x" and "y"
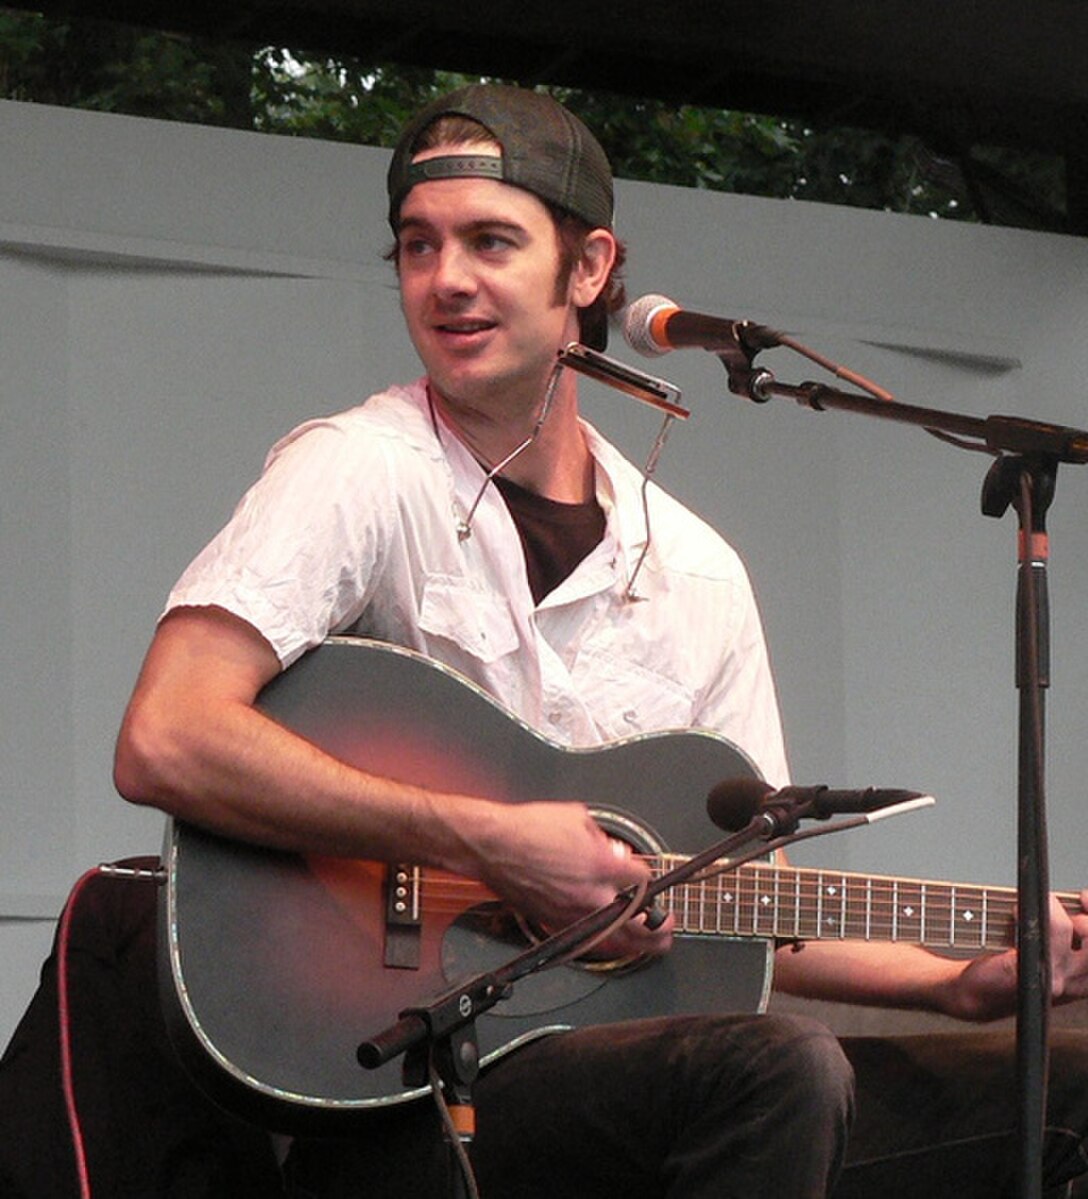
{"x": 414, "y": 247}
{"x": 491, "y": 243}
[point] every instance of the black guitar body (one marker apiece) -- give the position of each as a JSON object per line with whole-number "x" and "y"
{"x": 276, "y": 966}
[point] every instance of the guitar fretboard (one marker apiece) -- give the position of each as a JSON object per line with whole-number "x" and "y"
{"x": 792, "y": 903}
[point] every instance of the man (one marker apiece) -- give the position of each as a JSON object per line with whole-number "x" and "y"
{"x": 474, "y": 517}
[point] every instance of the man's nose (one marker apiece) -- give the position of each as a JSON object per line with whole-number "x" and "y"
{"x": 453, "y": 275}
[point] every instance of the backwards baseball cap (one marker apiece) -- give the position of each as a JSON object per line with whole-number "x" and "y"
{"x": 545, "y": 149}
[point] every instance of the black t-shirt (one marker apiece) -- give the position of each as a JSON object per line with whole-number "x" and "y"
{"x": 555, "y": 536}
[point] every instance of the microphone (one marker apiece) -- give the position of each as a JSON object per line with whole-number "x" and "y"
{"x": 653, "y": 325}
{"x": 734, "y": 803}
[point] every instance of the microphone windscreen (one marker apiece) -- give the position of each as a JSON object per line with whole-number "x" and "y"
{"x": 638, "y": 321}
{"x": 733, "y": 803}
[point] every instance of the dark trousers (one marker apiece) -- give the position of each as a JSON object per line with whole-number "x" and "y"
{"x": 688, "y": 1108}
{"x": 937, "y": 1115}
{"x": 753, "y": 1107}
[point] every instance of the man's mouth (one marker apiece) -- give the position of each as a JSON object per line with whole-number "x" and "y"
{"x": 464, "y": 326}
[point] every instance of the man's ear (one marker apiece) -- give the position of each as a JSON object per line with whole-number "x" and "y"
{"x": 591, "y": 270}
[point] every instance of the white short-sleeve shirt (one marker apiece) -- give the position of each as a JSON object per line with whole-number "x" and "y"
{"x": 353, "y": 526}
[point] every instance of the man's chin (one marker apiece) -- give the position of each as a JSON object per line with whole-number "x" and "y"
{"x": 484, "y": 387}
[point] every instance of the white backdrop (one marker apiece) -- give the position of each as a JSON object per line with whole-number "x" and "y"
{"x": 173, "y": 298}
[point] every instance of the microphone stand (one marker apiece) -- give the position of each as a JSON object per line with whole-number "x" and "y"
{"x": 1023, "y": 476}
{"x": 1027, "y": 484}
{"x": 439, "y": 1039}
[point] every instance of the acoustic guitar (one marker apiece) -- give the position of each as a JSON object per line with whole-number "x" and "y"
{"x": 275, "y": 966}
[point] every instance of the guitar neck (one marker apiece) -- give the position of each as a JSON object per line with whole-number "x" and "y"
{"x": 761, "y": 899}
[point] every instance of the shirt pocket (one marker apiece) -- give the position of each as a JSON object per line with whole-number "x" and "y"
{"x": 477, "y": 620}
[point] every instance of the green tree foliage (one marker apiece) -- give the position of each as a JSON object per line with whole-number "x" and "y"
{"x": 117, "y": 68}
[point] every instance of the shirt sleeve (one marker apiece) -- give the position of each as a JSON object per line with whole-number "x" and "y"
{"x": 300, "y": 555}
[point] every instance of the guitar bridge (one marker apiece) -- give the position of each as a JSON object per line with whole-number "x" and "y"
{"x": 403, "y": 924}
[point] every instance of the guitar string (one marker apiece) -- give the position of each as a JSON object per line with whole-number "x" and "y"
{"x": 879, "y": 906}
{"x": 877, "y": 900}
{"x": 813, "y": 926}
{"x": 859, "y": 889}
{"x": 746, "y": 891}
{"x": 877, "y": 909}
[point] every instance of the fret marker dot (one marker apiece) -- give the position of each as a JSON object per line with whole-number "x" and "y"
{"x": 908, "y": 911}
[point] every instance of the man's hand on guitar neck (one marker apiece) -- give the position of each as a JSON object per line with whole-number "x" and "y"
{"x": 986, "y": 988}
{"x": 1069, "y": 951}
{"x": 885, "y": 973}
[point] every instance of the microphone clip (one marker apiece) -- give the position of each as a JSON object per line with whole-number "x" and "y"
{"x": 746, "y": 379}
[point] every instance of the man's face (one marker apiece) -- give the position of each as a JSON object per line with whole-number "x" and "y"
{"x": 478, "y": 262}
